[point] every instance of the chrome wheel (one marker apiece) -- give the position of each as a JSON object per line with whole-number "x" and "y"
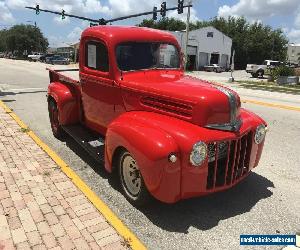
{"x": 131, "y": 176}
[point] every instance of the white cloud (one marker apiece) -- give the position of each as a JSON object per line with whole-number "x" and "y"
{"x": 75, "y": 34}
{"x": 127, "y": 7}
{"x": 293, "y": 35}
{"x": 259, "y": 9}
{"x": 5, "y": 14}
{"x": 71, "y": 6}
{"x": 297, "y": 19}
{"x": 183, "y": 16}
{"x": 61, "y": 41}
{"x": 60, "y": 21}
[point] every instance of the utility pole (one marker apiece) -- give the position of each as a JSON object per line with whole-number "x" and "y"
{"x": 231, "y": 78}
{"x": 187, "y": 34}
{"x": 273, "y": 44}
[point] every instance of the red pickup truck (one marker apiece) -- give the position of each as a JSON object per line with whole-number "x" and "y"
{"x": 165, "y": 134}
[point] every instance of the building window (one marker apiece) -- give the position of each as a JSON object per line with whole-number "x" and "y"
{"x": 210, "y": 34}
{"x": 96, "y": 56}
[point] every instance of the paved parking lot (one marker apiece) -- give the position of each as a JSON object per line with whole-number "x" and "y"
{"x": 267, "y": 202}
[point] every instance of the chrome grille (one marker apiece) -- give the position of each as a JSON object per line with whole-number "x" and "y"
{"x": 228, "y": 161}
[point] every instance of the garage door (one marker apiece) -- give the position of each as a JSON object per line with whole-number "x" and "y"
{"x": 203, "y": 59}
{"x": 192, "y": 50}
{"x": 224, "y": 61}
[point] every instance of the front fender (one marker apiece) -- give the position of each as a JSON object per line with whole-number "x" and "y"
{"x": 150, "y": 137}
{"x": 150, "y": 147}
{"x": 66, "y": 99}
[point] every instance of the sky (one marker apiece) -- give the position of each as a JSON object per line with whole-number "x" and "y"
{"x": 283, "y": 14}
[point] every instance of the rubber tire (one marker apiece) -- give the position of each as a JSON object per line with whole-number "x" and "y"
{"x": 254, "y": 75}
{"x": 58, "y": 132}
{"x": 260, "y": 73}
{"x": 144, "y": 197}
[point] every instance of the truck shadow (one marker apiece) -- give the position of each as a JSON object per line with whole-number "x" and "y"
{"x": 206, "y": 212}
{"x": 202, "y": 213}
{"x": 97, "y": 166}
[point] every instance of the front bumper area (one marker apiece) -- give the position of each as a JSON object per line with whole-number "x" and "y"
{"x": 230, "y": 160}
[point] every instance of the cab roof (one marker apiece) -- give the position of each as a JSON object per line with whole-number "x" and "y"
{"x": 117, "y": 34}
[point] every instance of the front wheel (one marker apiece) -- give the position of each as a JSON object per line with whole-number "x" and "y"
{"x": 57, "y": 129}
{"x": 131, "y": 180}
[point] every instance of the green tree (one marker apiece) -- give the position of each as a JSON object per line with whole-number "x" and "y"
{"x": 166, "y": 23}
{"x": 3, "y": 46}
{"x": 28, "y": 38}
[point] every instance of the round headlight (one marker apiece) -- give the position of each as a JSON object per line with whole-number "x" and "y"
{"x": 198, "y": 154}
{"x": 260, "y": 134}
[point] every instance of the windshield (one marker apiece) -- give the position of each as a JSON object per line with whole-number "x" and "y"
{"x": 147, "y": 55}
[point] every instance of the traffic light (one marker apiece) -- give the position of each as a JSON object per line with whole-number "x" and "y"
{"x": 63, "y": 15}
{"x": 163, "y": 9}
{"x": 102, "y": 21}
{"x": 37, "y": 9}
{"x": 154, "y": 13}
{"x": 180, "y": 6}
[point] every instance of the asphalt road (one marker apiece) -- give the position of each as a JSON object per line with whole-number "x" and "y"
{"x": 267, "y": 202}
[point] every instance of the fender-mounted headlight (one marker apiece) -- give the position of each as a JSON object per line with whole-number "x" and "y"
{"x": 198, "y": 154}
{"x": 260, "y": 134}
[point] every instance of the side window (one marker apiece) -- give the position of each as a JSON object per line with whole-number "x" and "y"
{"x": 96, "y": 56}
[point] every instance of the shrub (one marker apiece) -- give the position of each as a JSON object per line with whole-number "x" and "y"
{"x": 282, "y": 71}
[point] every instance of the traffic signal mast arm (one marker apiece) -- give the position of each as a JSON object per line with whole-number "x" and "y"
{"x": 104, "y": 21}
{"x": 38, "y": 10}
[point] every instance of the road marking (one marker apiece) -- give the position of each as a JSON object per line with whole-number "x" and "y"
{"x": 26, "y": 89}
{"x": 110, "y": 216}
{"x": 273, "y": 105}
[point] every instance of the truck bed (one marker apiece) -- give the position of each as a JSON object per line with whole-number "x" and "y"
{"x": 68, "y": 74}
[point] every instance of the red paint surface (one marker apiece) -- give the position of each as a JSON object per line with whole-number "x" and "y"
{"x": 151, "y": 113}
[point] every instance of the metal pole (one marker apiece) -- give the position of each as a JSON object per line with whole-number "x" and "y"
{"x": 187, "y": 34}
{"x": 231, "y": 78}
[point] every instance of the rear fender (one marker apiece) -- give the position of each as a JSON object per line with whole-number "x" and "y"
{"x": 67, "y": 102}
{"x": 150, "y": 147}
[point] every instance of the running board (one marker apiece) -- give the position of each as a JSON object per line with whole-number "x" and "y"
{"x": 93, "y": 144}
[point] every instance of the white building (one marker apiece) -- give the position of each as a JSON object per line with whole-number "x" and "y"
{"x": 293, "y": 53}
{"x": 206, "y": 46}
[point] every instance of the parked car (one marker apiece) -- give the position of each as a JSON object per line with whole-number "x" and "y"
{"x": 260, "y": 70}
{"x": 214, "y": 68}
{"x": 162, "y": 133}
{"x": 57, "y": 59}
{"x": 292, "y": 65}
{"x": 35, "y": 56}
{"x": 2, "y": 55}
{"x": 43, "y": 58}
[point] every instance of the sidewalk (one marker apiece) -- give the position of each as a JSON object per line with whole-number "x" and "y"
{"x": 40, "y": 207}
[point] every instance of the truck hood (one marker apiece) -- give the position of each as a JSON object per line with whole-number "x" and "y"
{"x": 173, "y": 93}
